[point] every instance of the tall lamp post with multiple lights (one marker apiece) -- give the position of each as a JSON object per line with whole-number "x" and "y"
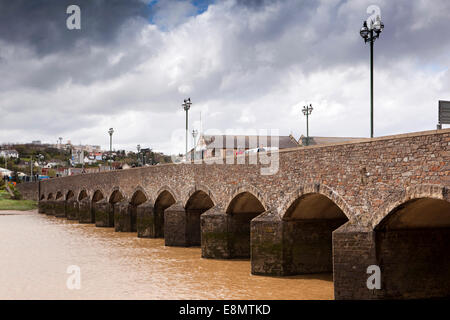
{"x": 307, "y": 110}
{"x": 370, "y": 34}
{"x": 186, "y": 106}
{"x": 110, "y": 131}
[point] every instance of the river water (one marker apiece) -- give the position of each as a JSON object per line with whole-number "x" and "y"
{"x": 36, "y": 251}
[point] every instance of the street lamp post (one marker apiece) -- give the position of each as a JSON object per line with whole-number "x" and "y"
{"x": 40, "y": 162}
{"x": 139, "y": 153}
{"x": 370, "y": 34}
{"x": 31, "y": 168}
{"x": 307, "y": 111}
{"x": 194, "y": 135}
{"x": 186, "y": 106}
{"x": 110, "y": 131}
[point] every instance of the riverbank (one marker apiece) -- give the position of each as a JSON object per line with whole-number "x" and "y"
{"x": 6, "y": 203}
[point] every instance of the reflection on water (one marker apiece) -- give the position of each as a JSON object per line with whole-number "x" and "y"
{"x": 36, "y": 250}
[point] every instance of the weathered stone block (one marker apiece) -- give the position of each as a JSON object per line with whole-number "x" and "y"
{"x": 215, "y": 236}
{"x": 267, "y": 244}
{"x": 146, "y": 222}
{"x": 104, "y": 215}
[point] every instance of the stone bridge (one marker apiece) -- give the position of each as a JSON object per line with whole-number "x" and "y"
{"x": 337, "y": 208}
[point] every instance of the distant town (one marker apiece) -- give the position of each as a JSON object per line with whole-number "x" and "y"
{"x": 36, "y": 160}
{"x": 24, "y": 162}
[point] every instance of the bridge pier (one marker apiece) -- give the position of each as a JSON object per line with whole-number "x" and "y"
{"x": 103, "y": 212}
{"x": 215, "y": 238}
{"x": 124, "y": 217}
{"x": 149, "y": 223}
{"x": 414, "y": 263}
{"x": 50, "y": 208}
{"x": 59, "y": 208}
{"x": 178, "y": 226}
{"x": 354, "y": 250}
{"x": 42, "y": 206}
{"x": 85, "y": 211}
{"x": 72, "y": 210}
{"x": 307, "y": 245}
{"x": 281, "y": 247}
{"x": 225, "y": 236}
{"x": 267, "y": 256}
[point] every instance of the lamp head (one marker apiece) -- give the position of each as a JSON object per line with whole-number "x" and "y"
{"x": 364, "y": 32}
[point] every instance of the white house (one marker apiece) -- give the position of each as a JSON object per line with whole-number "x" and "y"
{"x": 9, "y": 153}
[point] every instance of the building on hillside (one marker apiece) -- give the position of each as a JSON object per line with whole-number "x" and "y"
{"x": 9, "y": 153}
{"x": 5, "y": 173}
{"x": 303, "y": 141}
{"x": 216, "y": 146}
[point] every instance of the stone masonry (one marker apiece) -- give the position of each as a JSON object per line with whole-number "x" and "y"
{"x": 340, "y": 208}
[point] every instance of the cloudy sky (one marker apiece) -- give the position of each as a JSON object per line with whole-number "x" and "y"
{"x": 247, "y": 65}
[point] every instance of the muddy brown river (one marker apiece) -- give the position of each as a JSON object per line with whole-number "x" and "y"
{"x": 36, "y": 251}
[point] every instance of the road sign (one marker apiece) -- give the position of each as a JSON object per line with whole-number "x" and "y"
{"x": 444, "y": 112}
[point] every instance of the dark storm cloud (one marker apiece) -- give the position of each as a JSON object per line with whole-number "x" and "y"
{"x": 41, "y": 24}
{"x": 130, "y": 72}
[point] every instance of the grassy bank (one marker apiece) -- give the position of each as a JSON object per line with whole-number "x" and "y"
{"x": 6, "y": 203}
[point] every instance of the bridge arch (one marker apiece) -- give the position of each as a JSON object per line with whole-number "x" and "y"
{"x": 97, "y": 196}
{"x": 82, "y": 195}
{"x": 319, "y": 189}
{"x": 70, "y": 195}
{"x": 166, "y": 188}
{"x": 164, "y": 199}
{"x": 245, "y": 205}
{"x": 198, "y": 202}
{"x": 59, "y": 195}
{"x": 139, "y": 196}
{"x": 414, "y": 192}
{"x": 50, "y": 196}
{"x": 310, "y": 216}
{"x": 42, "y": 197}
{"x": 116, "y": 196}
{"x": 413, "y": 243}
{"x": 197, "y": 190}
{"x": 250, "y": 189}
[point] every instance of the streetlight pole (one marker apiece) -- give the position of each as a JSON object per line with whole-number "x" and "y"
{"x": 31, "y": 168}
{"x": 370, "y": 34}
{"x": 194, "y": 135}
{"x": 139, "y": 153}
{"x": 186, "y": 106}
{"x": 307, "y": 110}
{"x": 110, "y": 131}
